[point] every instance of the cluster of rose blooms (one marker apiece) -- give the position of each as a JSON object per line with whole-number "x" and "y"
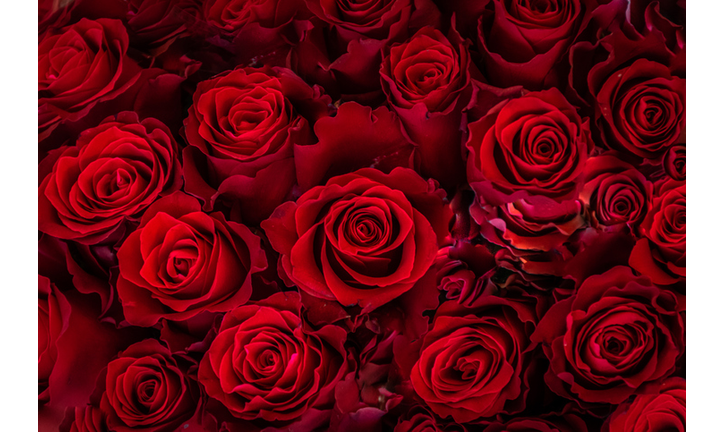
{"x": 361, "y": 215}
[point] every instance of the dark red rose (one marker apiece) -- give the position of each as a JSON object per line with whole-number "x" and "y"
{"x": 615, "y": 193}
{"x": 662, "y": 254}
{"x": 536, "y": 144}
{"x": 546, "y": 423}
{"x": 155, "y": 24}
{"x": 79, "y": 66}
{"x": 232, "y": 15}
{"x": 526, "y": 43}
{"x": 346, "y": 56}
{"x": 181, "y": 262}
{"x": 53, "y": 318}
{"x": 473, "y": 362}
{"x": 113, "y": 173}
{"x": 661, "y": 409}
{"x": 266, "y": 363}
{"x": 427, "y": 82}
{"x": 675, "y": 162}
{"x": 147, "y": 388}
{"x": 641, "y": 109}
{"x": 84, "y": 419}
{"x": 665, "y": 16}
{"x": 364, "y": 238}
{"x": 421, "y": 420}
{"x": 54, "y": 13}
{"x": 617, "y": 333}
{"x": 463, "y": 269}
{"x": 242, "y": 128}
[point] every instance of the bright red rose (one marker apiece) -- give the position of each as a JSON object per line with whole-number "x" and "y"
{"x": 267, "y": 363}
{"x": 427, "y": 82}
{"x": 620, "y": 333}
{"x": 662, "y": 254}
{"x": 661, "y": 409}
{"x": 113, "y": 173}
{"x": 53, "y": 319}
{"x": 615, "y": 193}
{"x": 242, "y": 128}
{"x": 79, "y": 66}
{"x": 84, "y": 419}
{"x": 147, "y": 388}
{"x": 364, "y": 238}
{"x": 473, "y": 363}
{"x": 536, "y": 144}
{"x": 181, "y": 262}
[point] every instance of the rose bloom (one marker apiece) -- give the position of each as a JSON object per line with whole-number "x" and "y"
{"x": 84, "y": 419}
{"x": 242, "y": 129}
{"x": 662, "y": 407}
{"x": 53, "y": 319}
{"x": 79, "y": 66}
{"x": 675, "y": 162}
{"x": 364, "y": 238}
{"x": 267, "y": 363}
{"x": 113, "y": 173}
{"x": 615, "y": 193}
{"x": 181, "y": 262}
{"x": 662, "y": 254}
{"x": 419, "y": 419}
{"x": 473, "y": 362}
{"x": 535, "y": 144}
{"x": 155, "y": 24}
{"x": 147, "y": 388}
{"x": 617, "y": 333}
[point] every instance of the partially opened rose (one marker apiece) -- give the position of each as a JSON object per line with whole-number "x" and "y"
{"x": 662, "y": 254}
{"x": 267, "y": 363}
{"x": 79, "y": 66}
{"x": 661, "y": 408}
{"x": 473, "y": 362}
{"x": 181, "y": 262}
{"x": 364, "y": 238}
{"x": 114, "y": 172}
{"x": 620, "y": 333}
{"x": 147, "y": 388}
{"x": 536, "y": 144}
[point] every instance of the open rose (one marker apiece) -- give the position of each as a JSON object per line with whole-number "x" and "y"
{"x": 620, "y": 332}
{"x": 615, "y": 193}
{"x": 364, "y": 238}
{"x": 662, "y": 408}
{"x": 113, "y": 173}
{"x": 266, "y": 363}
{"x": 79, "y": 66}
{"x": 535, "y": 144}
{"x": 53, "y": 318}
{"x": 427, "y": 81}
{"x": 473, "y": 362}
{"x": 662, "y": 254}
{"x": 147, "y": 388}
{"x": 242, "y": 128}
{"x": 181, "y": 262}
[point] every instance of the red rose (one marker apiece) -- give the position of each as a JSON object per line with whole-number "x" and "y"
{"x": 535, "y": 144}
{"x": 662, "y": 254}
{"x": 84, "y": 419}
{"x": 473, "y": 362}
{"x": 181, "y": 262}
{"x": 427, "y": 82}
{"x": 155, "y": 24}
{"x": 523, "y": 42}
{"x": 421, "y": 420}
{"x": 463, "y": 269}
{"x": 548, "y": 423}
{"x": 113, "y": 172}
{"x": 675, "y": 162}
{"x": 146, "y": 388}
{"x": 53, "y": 319}
{"x": 53, "y": 13}
{"x": 242, "y": 128}
{"x": 665, "y": 16}
{"x": 620, "y": 332}
{"x": 79, "y": 66}
{"x": 615, "y": 194}
{"x": 266, "y": 363}
{"x": 663, "y": 408}
{"x": 364, "y": 238}
{"x": 232, "y": 15}
{"x": 641, "y": 108}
